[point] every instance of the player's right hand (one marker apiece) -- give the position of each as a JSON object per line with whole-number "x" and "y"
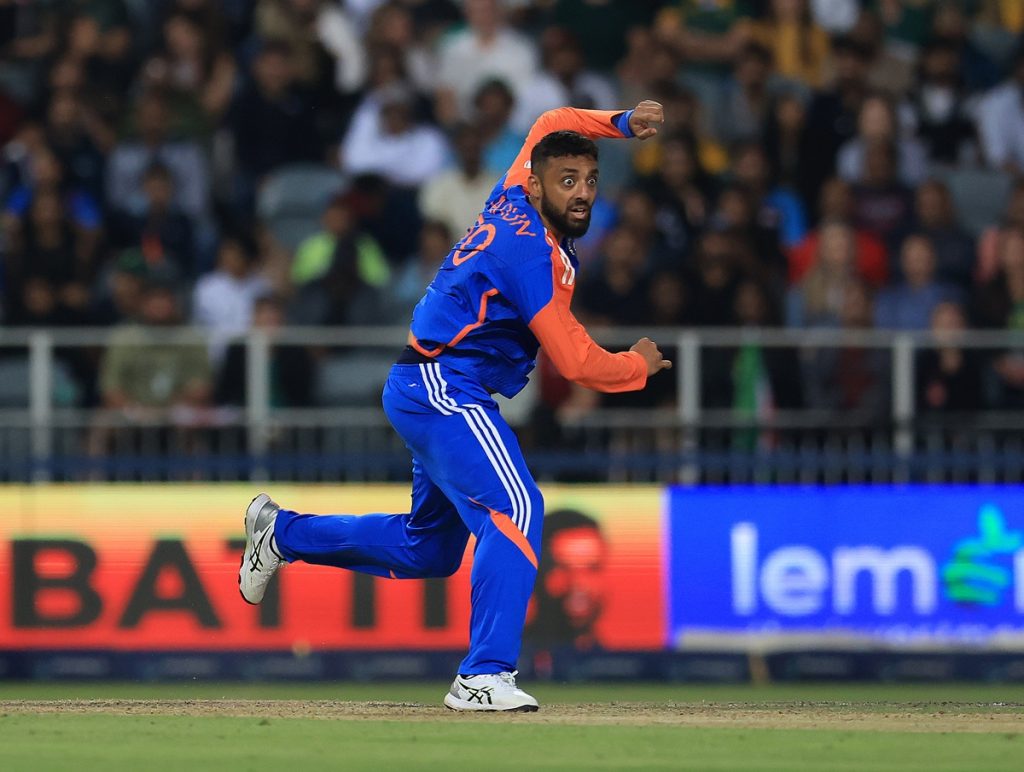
{"x": 648, "y": 349}
{"x": 646, "y": 118}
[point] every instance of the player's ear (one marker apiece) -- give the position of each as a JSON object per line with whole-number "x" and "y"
{"x": 533, "y": 186}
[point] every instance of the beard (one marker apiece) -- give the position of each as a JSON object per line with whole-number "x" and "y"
{"x": 561, "y": 221}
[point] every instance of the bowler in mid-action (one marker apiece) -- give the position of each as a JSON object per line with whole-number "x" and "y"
{"x": 501, "y": 293}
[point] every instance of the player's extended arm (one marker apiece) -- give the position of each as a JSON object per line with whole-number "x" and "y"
{"x": 595, "y": 124}
{"x": 575, "y": 354}
{"x": 579, "y": 359}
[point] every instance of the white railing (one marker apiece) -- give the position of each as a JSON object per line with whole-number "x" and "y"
{"x": 259, "y": 420}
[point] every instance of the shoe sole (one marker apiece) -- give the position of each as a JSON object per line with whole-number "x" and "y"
{"x": 461, "y": 706}
{"x": 251, "y": 513}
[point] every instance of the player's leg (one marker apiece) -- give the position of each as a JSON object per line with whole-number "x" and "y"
{"x": 478, "y": 464}
{"x": 429, "y": 541}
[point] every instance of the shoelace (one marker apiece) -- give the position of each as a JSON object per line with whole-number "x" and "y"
{"x": 509, "y": 678}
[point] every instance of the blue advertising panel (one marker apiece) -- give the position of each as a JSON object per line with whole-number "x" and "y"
{"x": 901, "y": 566}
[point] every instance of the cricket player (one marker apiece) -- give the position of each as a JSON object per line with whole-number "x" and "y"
{"x": 501, "y": 293}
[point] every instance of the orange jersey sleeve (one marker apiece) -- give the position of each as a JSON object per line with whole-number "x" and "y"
{"x": 594, "y": 124}
{"x": 574, "y": 353}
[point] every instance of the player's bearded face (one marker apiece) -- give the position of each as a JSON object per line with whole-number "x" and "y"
{"x": 571, "y": 218}
{"x": 568, "y": 189}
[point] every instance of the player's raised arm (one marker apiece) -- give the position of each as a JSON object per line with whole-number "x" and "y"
{"x": 640, "y": 122}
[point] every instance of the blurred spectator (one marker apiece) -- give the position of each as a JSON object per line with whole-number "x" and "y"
{"x": 638, "y": 212}
{"x": 999, "y": 304}
{"x": 753, "y": 381}
{"x": 131, "y": 158}
{"x": 748, "y": 98}
{"x": 223, "y": 300}
{"x": 951, "y": 23}
{"x": 385, "y": 138}
{"x": 988, "y": 243}
{"x": 667, "y": 300}
{"x": 341, "y": 238}
{"x": 853, "y": 381}
{"x": 938, "y": 103}
{"x": 272, "y": 118}
{"x": 909, "y": 305}
{"x": 98, "y": 41}
{"x": 714, "y": 280}
{"x": 871, "y": 260}
{"x": 936, "y": 219}
{"x": 818, "y": 300}
{"x": 782, "y": 138}
{"x": 409, "y": 284}
{"x": 882, "y": 204}
{"x": 316, "y": 32}
{"x": 1000, "y": 117}
{"x": 777, "y": 208}
{"x": 486, "y": 49}
{"x": 706, "y": 34}
{"x": 618, "y": 294}
{"x": 832, "y": 116}
{"x": 878, "y": 123}
{"x": 681, "y": 190}
{"x": 45, "y": 173}
{"x": 393, "y": 27}
{"x": 161, "y": 231}
{"x": 565, "y": 63}
{"x": 292, "y": 369}
{"x": 143, "y": 368}
{"x": 81, "y": 140}
{"x": 649, "y": 67}
{"x": 455, "y": 196}
{"x": 604, "y": 28}
{"x": 119, "y": 294}
{"x": 493, "y": 104}
{"x": 562, "y": 81}
{"x": 189, "y": 67}
{"x": 736, "y": 210}
{"x": 339, "y": 273}
{"x": 948, "y": 377}
{"x": 798, "y": 46}
{"x": 46, "y": 243}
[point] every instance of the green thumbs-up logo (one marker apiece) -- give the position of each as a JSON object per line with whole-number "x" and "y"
{"x": 976, "y": 574}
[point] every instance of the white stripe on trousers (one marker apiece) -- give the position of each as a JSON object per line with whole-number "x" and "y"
{"x": 489, "y": 429}
{"x": 490, "y": 441}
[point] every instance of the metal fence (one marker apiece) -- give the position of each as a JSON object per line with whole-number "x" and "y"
{"x": 695, "y": 435}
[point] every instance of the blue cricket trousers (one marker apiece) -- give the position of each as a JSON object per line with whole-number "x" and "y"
{"x": 469, "y": 476}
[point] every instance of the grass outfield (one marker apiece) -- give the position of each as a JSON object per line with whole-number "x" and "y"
{"x": 201, "y": 726}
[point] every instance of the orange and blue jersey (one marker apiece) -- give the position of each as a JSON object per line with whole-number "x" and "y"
{"x": 505, "y": 289}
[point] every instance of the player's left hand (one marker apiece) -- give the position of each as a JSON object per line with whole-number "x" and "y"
{"x": 645, "y": 116}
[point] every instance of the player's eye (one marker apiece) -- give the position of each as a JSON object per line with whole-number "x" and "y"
{"x": 568, "y": 182}
{"x": 592, "y": 181}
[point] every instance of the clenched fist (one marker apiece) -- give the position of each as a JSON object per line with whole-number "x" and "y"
{"x": 645, "y": 116}
{"x": 648, "y": 349}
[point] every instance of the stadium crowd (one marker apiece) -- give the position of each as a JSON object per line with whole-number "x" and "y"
{"x": 838, "y": 163}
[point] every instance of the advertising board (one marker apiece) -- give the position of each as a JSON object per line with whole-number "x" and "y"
{"x": 917, "y": 567}
{"x": 154, "y": 567}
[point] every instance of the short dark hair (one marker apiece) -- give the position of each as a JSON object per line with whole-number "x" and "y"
{"x": 561, "y": 144}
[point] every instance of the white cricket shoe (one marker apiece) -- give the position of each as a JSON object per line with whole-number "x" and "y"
{"x": 489, "y": 692}
{"x": 260, "y": 560}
